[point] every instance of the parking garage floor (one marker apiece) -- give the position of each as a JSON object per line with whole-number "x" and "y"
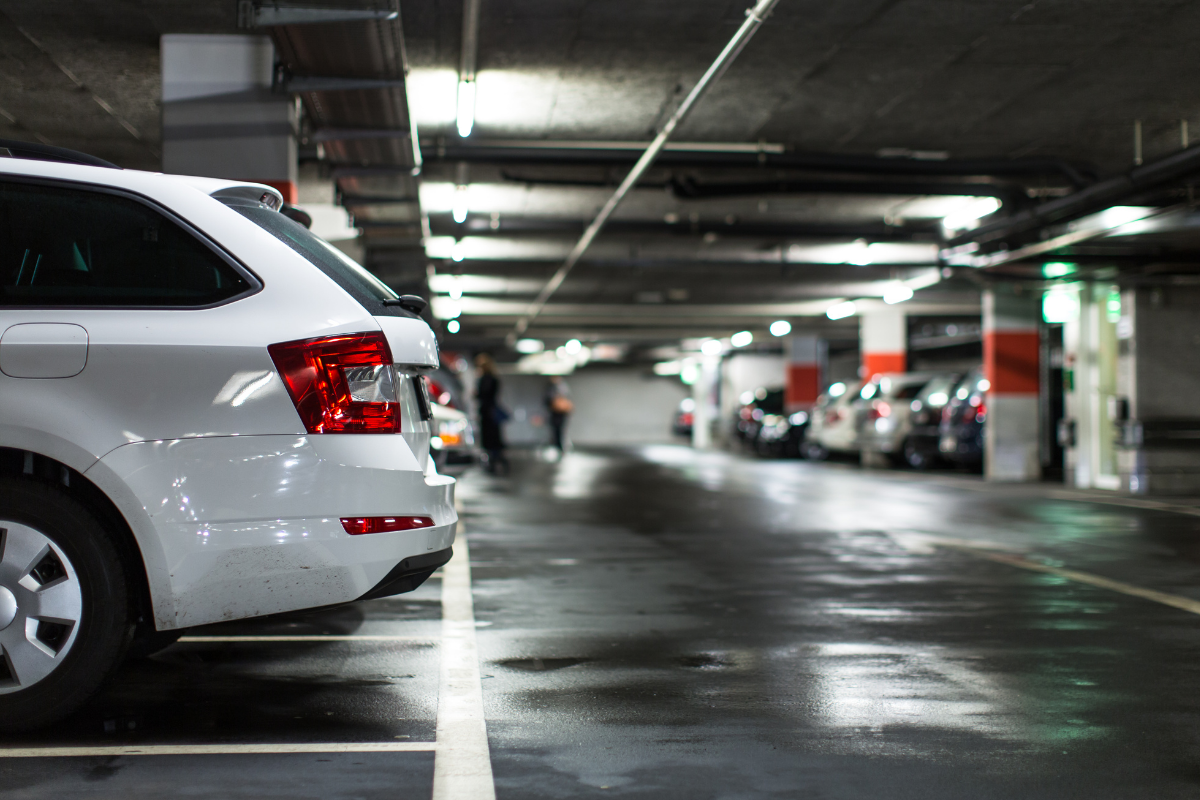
{"x": 657, "y": 622}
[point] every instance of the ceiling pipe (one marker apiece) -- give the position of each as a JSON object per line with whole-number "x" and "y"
{"x": 741, "y": 154}
{"x": 466, "y": 68}
{"x": 1094, "y": 198}
{"x": 754, "y": 19}
{"x": 687, "y": 189}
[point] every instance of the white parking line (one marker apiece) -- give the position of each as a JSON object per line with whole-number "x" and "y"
{"x": 462, "y": 769}
{"x": 218, "y": 749}
{"x": 916, "y": 542}
{"x": 313, "y": 638}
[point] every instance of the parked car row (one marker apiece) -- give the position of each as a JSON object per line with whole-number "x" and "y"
{"x": 916, "y": 419}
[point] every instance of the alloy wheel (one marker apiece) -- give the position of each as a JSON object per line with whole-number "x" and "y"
{"x": 41, "y": 605}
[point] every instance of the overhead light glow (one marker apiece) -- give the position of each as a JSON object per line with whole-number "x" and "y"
{"x": 1120, "y": 215}
{"x": 1057, "y": 269}
{"x": 836, "y": 389}
{"x": 452, "y": 326}
{"x": 841, "y": 310}
{"x": 445, "y": 308}
{"x": 897, "y": 293}
{"x": 667, "y": 368}
{"x": 969, "y": 213}
{"x": 466, "y": 108}
{"x": 689, "y": 371}
{"x": 711, "y": 347}
{"x": 573, "y": 346}
{"x": 460, "y": 204}
{"x": 781, "y": 327}
{"x": 860, "y": 253}
{"x": 528, "y": 346}
{"x": 456, "y": 253}
{"x": 1060, "y": 304}
{"x": 741, "y": 338}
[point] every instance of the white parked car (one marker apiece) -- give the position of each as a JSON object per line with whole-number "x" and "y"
{"x": 206, "y": 414}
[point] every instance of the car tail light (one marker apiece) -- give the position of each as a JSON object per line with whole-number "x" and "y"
{"x": 981, "y": 413}
{"x": 879, "y": 409}
{"x": 341, "y": 384}
{"x": 356, "y": 526}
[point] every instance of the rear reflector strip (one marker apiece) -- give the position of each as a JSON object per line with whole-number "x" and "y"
{"x": 360, "y": 525}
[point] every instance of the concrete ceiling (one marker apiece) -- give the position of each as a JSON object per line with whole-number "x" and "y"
{"x": 860, "y": 125}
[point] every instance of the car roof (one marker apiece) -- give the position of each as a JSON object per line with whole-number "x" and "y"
{"x": 101, "y": 173}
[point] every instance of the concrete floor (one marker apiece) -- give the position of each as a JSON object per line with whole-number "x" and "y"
{"x": 657, "y": 623}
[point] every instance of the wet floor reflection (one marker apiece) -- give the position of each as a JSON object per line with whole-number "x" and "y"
{"x": 745, "y": 627}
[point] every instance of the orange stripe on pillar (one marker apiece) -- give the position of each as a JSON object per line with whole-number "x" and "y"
{"x": 803, "y": 385}
{"x": 1010, "y": 361}
{"x": 879, "y": 363}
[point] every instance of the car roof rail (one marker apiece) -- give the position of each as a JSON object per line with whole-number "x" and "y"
{"x": 13, "y": 148}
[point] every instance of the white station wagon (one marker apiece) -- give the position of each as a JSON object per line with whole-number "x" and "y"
{"x": 207, "y": 413}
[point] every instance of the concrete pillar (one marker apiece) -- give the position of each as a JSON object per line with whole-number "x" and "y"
{"x": 1153, "y": 414}
{"x": 1090, "y": 358}
{"x": 884, "y": 338}
{"x": 704, "y": 392}
{"x": 220, "y": 117}
{"x": 1010, "y": 362}
{"x": 803, "y": 377}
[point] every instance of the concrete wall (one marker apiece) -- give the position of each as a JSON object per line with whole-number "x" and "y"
{"x": 613, "y": 405}
{"x": 622, "y": 405}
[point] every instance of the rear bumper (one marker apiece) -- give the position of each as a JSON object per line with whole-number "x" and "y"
{"x": 241, "y": 526}
{"x": 409, "y": 574}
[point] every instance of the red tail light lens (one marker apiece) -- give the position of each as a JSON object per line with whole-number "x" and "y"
{"x": 356, "y": 526}
{"x": 341, "y": 384}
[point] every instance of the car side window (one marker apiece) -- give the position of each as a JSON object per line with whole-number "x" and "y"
{"x": 75, "y": 247}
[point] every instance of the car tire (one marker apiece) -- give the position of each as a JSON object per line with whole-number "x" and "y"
{"x": 815, "y": 452}
{"x": 65, "y": 604}
{"x": 915, "y": 457}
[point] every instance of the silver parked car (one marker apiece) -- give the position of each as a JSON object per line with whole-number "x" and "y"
{"x": 887, "y": 421}
{"x": 208, "y": 414}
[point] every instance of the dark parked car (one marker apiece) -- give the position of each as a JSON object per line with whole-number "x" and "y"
{"x": 963, "y": 419}
{"x": 685, "y": 415}
{"x": 756, "y": 406}
{"x": 920, "y": 449}
{"x": 782, "y": 436}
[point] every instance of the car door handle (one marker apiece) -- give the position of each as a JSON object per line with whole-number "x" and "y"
{"x": 43, "y": 350}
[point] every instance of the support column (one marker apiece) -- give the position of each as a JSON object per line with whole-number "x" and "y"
{"x": 1010, "y": 362}
{"x": 220, "y": 117}
{"x": 803, "y": 378}
{"x": 1153, "y": 414}
{"x": 704, "y": 392}
{"x": 884, "y": 339}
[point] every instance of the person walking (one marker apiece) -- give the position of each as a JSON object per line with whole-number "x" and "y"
{"x": 558, "y": 403}
{"x": 491, "y": 415}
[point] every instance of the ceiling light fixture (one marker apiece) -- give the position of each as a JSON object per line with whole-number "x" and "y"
{"x": 841, "y": 310}
{"x": 781, "y": 327}
{"x": 452, "y": 326}
{"x": 456, "y": 253}
{"x": 969, "y": 213}
{"x": 897, "y": 293}
{"x": 711, "y": 347}
{"x": 528, "y": 346}
{"x": 741, "y": 338}
{"x": 466, "y": 108}
{"x": 460, "y": 204}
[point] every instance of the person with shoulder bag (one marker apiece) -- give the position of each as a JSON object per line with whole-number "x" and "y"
{"x": 558, "y": 403}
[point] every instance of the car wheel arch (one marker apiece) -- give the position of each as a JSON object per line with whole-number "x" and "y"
{"x": 39, "y": 467}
